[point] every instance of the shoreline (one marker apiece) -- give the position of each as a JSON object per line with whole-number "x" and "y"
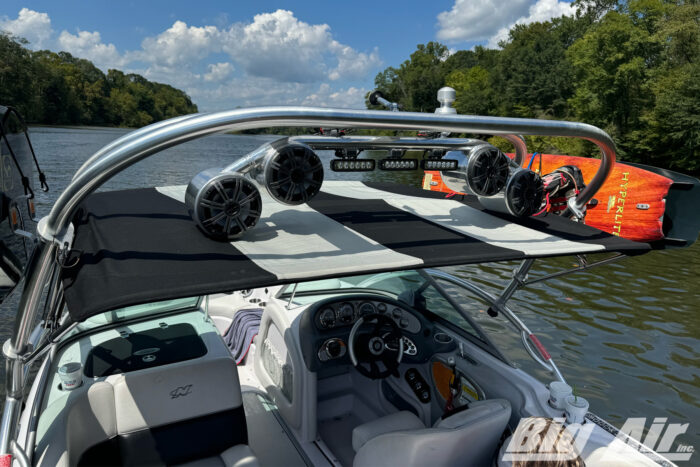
{"x": 78, "y": 127}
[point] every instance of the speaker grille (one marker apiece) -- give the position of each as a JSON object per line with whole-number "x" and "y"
{"x": 294, "y": 175}
{"x": 228, "y": 206}
{"x": 487, "y": 171}
{"x": 525, "y": 193}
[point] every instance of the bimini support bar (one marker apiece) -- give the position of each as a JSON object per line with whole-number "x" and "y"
{"x": 584, "y": 266}
{"x": 528, "y": 338}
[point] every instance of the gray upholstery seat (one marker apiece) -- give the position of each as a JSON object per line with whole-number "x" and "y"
{"x": 399, "y": 421}
{"x": 236, "y": 456}
{"x": 141, "y": 417}
{"x": 469, "y": 438}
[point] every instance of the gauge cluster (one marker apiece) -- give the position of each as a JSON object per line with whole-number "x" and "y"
{"x": 347, "y": 312}
{"x": 324, "y": 329}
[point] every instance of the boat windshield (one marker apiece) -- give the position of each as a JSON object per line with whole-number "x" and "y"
{"x": 393, "y": 283}
{"x": 134, "y": 312}
{"x": 412, "y": 287}
{"x": 446, "y": 299}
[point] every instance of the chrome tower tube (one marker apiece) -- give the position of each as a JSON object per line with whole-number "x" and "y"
{"x": 384, "y": 142}
{"x": 129, "y": 136}
{"x": 149, "y": 142}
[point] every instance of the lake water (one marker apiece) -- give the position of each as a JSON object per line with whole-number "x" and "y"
{"x": 626, "y": 335}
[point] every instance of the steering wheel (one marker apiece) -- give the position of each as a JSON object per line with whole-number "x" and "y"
{"x": 375, "y": 339}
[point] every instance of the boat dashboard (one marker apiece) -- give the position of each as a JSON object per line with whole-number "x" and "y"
{"x": 327, "y": 327}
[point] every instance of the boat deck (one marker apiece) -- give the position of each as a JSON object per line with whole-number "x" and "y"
{"x": 266, "y": 436}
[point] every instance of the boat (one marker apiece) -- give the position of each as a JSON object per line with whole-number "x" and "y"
{"x": 637, "y": 201}
{"x": 263, "y": 315}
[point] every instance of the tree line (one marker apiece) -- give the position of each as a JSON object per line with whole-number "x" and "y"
{"x": 59, "y": 89}
{"x": 631, "y": 68}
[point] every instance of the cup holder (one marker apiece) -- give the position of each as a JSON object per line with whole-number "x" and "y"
{"x": 254, "y": 300}
{"x": 442, "y": 338}
{"x": 262, "y": 304}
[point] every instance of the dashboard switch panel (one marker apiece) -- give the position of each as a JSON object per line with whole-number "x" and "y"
{"x": 418, "y": 385}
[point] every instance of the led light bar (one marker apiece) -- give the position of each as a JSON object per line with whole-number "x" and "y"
{"x": 438, "y": 164}
{"x": 352, "y": 165}
{"x": 398, "y": 164}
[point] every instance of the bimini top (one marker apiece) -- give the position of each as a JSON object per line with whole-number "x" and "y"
{"x": 138, "y": 246}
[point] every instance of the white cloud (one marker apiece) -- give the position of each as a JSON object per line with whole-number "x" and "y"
{"x": 275, "y": 59}
{"x": 218, "y": 71}
{"x": 542, "y": 10}
{"x": 89, "y": 45}
{"x": 249, "y": 92}
{"x": 477, "y": 21}
{"x": 351, "y": 63}
{"x": 180, "y": 45}
{"x": 491, "y": 20}
{"x": 31, "y": 25}
{"x": 279, "y": 46}
{"x": 181, "y": 78}
{"x": 350, "y": 98}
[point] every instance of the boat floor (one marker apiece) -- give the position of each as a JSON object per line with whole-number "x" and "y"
{"x": 266, "y": 436}
{"x": 341, "y": 440}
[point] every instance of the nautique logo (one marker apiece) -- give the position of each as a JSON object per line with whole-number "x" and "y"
{"x": 547, "y": 440}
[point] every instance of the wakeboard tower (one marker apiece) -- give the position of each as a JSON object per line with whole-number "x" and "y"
{"x": 638, "y": 202}
{"x": 270, "y": 220}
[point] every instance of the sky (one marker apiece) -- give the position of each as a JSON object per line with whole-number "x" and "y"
{"x": 226, "y": 54}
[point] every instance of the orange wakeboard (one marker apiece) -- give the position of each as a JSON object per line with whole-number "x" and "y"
{"x": 631, "y": 203}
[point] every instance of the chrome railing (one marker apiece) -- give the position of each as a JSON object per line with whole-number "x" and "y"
{"x": 145, "y": 143}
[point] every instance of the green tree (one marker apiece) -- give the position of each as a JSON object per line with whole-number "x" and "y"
{"x": 612, "y": 64}
{"x": 17, "y": 75}
{"x": 672, "y": 133}
{"x": 415, "y": 83}
{"x": 57, "y": 88}
{"x": 475, "y": 95}
{"x": 533, "y": 74}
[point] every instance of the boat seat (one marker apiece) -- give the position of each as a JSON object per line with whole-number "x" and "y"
{"x": 398, "y": 421}
{"x": 469, "y": 437}
{"x": 237, "y": 456}
{"x": 165, "y": 415}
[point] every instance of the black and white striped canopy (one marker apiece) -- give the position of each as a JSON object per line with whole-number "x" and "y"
{"x": 138, "y": 246}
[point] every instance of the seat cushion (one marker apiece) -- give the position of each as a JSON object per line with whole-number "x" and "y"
{"x": 173, "y": 393}
{"x": 398, "y": 421}
{"x": 236, "y": 456}
{"x": 469, "y": 439}
{"x": 477, "y": 411}
{"x": 239, "y": 456}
